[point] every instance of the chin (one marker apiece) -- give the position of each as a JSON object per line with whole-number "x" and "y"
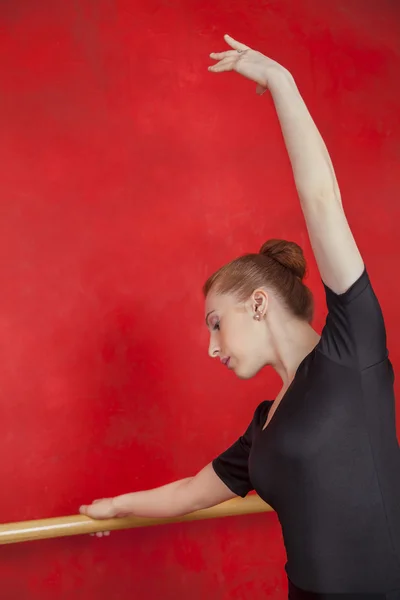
{"x": 246, "y": 373}
{"x": 240, "y": 376}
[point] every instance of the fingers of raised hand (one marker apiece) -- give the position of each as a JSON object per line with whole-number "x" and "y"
{"x": 228, "y": 59}
{"x": 221, "y": 55}
{"x": 226, "y": 64}
{"x": 234, "y": 43}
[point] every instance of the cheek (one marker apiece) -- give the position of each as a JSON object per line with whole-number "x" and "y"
{"x": 227, "y": 339}
{"x": 237, "y": 339}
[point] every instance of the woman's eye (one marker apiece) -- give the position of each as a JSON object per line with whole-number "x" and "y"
{"x": 216, "y": 326}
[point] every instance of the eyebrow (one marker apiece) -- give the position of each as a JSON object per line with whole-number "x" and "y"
{"x": 208, "y": 314}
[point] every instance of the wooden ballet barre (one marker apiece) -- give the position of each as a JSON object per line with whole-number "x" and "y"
{"x": 24, "y": 531}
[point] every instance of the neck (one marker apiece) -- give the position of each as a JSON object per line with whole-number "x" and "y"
{"x": 294, "y": 345}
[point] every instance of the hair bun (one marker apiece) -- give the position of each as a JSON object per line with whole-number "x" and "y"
{"x": 288, "y": 254}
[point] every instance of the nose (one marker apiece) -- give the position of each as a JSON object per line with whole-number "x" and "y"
{"x": 213, "y": 348}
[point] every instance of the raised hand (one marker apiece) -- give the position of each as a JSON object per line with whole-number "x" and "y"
{"x": 251, "y": 64}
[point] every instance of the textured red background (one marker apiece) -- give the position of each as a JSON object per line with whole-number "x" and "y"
{"x": 128, "y": 174}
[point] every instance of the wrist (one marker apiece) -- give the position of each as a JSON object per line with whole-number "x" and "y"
{"x": 278, "y": 77}
{"x": 118, "y": 505}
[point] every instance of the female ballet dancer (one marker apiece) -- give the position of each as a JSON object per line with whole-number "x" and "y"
{"x": 324, "y": 453}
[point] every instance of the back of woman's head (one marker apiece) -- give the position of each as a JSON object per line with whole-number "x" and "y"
{"x": 279, "y": 266}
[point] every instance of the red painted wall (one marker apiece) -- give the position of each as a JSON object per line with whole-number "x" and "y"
{"x": 128, "y": 174}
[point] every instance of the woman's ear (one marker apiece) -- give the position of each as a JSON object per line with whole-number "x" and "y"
{"x": 259, "y": 301}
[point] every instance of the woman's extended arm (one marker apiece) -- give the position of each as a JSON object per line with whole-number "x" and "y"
{"x": 338, "y": 258}
{"x": 174, "y": 499}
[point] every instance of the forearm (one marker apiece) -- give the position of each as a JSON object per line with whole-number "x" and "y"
{"x": 312, "y": 167}
{"x": 164, "y": 501}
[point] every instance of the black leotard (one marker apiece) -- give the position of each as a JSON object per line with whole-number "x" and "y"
{"x": 329, "y": 460}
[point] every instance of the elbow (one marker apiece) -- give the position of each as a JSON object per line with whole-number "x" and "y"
{"x": 185, "y": 501}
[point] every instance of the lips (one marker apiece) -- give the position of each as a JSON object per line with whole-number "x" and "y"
{"x": 225, "y": 361}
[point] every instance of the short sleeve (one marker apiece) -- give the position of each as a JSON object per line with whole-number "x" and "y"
{"x": 354, "y": 333}
{"x": 232, "y": 465}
